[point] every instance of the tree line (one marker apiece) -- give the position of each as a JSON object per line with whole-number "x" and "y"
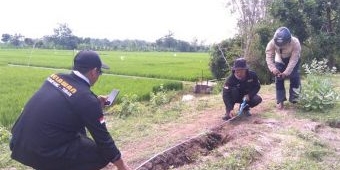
{"x": 63, "y": 38}
{"x": 316, "y": 23}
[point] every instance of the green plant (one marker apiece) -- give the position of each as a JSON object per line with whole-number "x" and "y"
{"x": 217, "y": 89}
{"x": 168, "y": 86}
{"x": 159, "y": 98}
{"x": 318, "y": 92}
{"x": 319, "y": 68}
{"x": 4, "y": 135}
{"x": 129, "y": 106}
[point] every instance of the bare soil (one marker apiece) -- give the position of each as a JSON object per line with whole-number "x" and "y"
{"x": 188, "y": 144}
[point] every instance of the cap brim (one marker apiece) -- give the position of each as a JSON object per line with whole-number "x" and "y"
{"x": 105, "y": 66}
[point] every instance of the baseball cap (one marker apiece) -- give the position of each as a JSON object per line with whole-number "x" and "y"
{"x": 88, "y": 59}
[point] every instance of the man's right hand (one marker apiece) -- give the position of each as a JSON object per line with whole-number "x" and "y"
{"x": 276, "y": 72}
{"x": 230, "y": 113}
{"x": 120, "y": 164}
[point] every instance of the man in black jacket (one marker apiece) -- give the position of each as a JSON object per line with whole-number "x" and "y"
{"x": 241, "y": 84}
{"x": 50, "y": 132}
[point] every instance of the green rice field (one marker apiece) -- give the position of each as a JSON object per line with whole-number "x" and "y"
{"x": 23, "y": 71}
{"x": 164, "y": 65}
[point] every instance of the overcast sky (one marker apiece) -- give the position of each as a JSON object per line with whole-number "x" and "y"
{"x": 206, "y": 20}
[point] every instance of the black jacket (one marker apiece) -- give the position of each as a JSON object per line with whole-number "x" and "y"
{"x": 250, "y": 85}
{"x": 56, "y": 115}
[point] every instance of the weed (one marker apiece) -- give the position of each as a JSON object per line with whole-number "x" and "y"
{"x": 317, "y": 154}
{"x": 202, "y": 104}
{"x": 129, "y": 106}
{"x": 4, "y": 135}
{"x": 159, "y": 98}
{"x": 296, "y": 164}
{"x": 237, "y": 159}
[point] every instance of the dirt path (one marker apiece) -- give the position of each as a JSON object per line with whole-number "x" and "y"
{"x": 267, "y": 135}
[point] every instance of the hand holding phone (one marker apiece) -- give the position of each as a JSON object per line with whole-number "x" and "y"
{"x": 112, "y": 97}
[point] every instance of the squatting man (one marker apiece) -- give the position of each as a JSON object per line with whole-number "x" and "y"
{"x": 241, "y": 84}
{"x": 50, "y": 132}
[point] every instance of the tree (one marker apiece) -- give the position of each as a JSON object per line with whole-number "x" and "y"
{"x": 250, "y": 13}
{"x": 29, "y": 41}
{"x": 316, "y": 23}
{"x": 17, "y": 40}
{"x": 223, "y": 55}
{"x": 6, "y": 38}
{"x": 290, "y": 14}
{"x": 63, "y": 37}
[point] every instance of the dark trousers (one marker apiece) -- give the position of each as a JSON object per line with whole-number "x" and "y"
{"x": 295, "y": 82}
{"x": 233, "y": 96}
{"x": 84, "y": 157}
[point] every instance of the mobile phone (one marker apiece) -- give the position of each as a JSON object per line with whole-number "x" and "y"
{"x": 112, "y": 97}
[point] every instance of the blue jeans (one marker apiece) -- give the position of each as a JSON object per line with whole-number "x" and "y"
{"x": 295, "y": 82}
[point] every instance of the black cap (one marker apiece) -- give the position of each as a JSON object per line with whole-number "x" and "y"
{"x": 88, "y": 59}
{"x": 240, "y": 64}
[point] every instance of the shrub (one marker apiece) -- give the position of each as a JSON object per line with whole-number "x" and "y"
{"x": 4, "y": 135}
{"x": 168, "y": 86}
{"x": 128, "y": 106}
{"x": 218, "y": 87}
{"x": 318, "y": 93}
{"x": 318, "y": 68}
{"x": 159, "y": 98}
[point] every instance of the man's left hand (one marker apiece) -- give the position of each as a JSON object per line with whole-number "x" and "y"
{"x": 102, "y": 100}
{"x": 283, "y": 75}
{"x": 246, "y": 97}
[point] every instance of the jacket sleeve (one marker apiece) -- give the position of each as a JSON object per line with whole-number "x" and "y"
{"x": 294, "y": 58}
{"x": 227, "y": 94}
{"x": 92, "y": 116}
{"x": 255, "y": 85}
{"x": 270, "y": 53}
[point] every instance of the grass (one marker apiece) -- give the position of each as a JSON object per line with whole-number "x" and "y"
{"x": 298, "y": 150}
{"x": 20, "y": 83}
{"x": 327, "y": 115}
{"x": 17, "y": 85}
{"x": 148, "y": 122}
{"x": 302, "y": 150}
{"x": 164, "y": 65}
{"x": 235, "y": 159}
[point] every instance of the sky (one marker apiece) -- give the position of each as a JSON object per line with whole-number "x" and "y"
{"x": 207, "y": 21}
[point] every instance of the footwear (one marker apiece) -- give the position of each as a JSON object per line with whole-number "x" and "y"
{"x": 294, "y": 101}
{"x": 280, "y": 106}
{"x": 246, "y": 113}
{"x": 226, "y": 117}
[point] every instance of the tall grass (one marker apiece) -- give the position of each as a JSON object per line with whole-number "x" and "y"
{"x": 17, "y": 85}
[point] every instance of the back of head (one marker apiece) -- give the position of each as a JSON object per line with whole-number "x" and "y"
{"x": 282, "y": 36}
{"x": 86, "y": 60}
